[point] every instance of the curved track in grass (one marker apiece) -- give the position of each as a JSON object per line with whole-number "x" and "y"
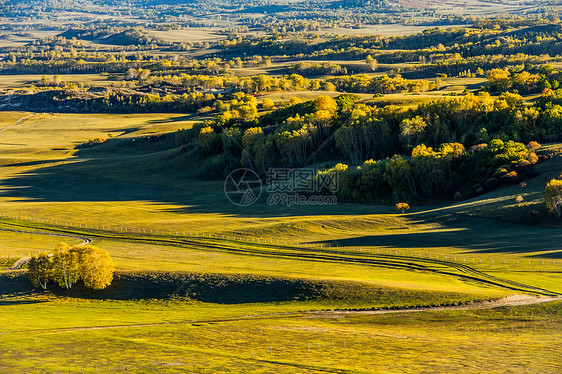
{"x": 17, "y": 122}
{"x": 24, "y": 260}
{"x": 449, "y": 268}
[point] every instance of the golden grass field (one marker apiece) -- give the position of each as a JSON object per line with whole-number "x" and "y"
{"x": 23, "y": 80}
{"x": 190, "y": 35}
{"x": 139, "y": 201}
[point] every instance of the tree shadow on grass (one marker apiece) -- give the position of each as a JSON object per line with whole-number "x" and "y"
{"x": 189, "y": 117}
{"x": 15, "y": 289}
{"x": 17, "y": 301}
{"x": 142, "y": 169}
{"x": 72, "y": 183}
{"x": 210, "y": 288}
{"x": 472, "y": 235}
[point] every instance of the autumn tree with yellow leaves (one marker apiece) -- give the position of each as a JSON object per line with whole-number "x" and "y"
{"x": 68, "y": 265}
{"x": 553, "y": 197}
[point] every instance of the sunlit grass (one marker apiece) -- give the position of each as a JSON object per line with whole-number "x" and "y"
{"x": 140, "y": 202}
{"x": 206, "y": 338}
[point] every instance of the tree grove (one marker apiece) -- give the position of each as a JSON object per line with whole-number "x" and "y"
{"x": 67, "y": 265}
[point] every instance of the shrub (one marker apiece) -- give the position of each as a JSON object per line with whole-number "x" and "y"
{"x": 533, "y": 146}
{"x": 93, "y": 142}
{"x": 267, "y": 104}
{"x": 402, "y": 207}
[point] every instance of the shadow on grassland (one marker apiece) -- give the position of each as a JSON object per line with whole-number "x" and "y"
{"x": 237, "y": 289}
{"x": 144, "y": 169}
{"x": 472, "y": 235}
{"x": 14, "y": 289}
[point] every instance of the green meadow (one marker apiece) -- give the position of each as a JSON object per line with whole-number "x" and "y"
{"x": 178, "y": 336}
{"x": 205, "y": 286}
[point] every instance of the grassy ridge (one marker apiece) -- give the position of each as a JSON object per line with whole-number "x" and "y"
{"x": 501, "y": 204}
{"x": 240, "y": 289}
{"x": 326, "y": 255}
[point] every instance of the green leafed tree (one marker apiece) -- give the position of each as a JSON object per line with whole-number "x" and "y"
{"x": 40, "y": 270}
{"x": 206, "y": 137}
{"x": 65, "y": 266}
{"x": 400, "y": 177}
{"x": 553, "y": 196}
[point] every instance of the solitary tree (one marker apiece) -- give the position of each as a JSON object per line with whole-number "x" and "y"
{"x": 44, "y": 81}
{"x": 402, "y": 207}
{"x": 371, "y": 62}
{"x": 553, "y": 196}
{"x": 57, "y": 80}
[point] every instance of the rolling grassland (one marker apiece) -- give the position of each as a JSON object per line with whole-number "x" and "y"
{"x": 204, "y": 286}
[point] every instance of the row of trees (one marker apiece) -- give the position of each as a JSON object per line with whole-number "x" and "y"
{"x": 502, "y": 80}
{"x": 68, "y": 265}
{"x": 433, "y": 135}
{"x": 431, "y": 47}
{"x": 360, "y": 83}
{"x": 450, "y": 170}
{"x": 439, "y": 51}
{"x": 118, "y": 101}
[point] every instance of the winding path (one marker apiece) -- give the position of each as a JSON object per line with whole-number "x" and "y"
{"x": 17, "y": 122}
{"x": 24, "y": 260}
{"x": 458, "y": 270}
{"x": 513, "y": 300}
